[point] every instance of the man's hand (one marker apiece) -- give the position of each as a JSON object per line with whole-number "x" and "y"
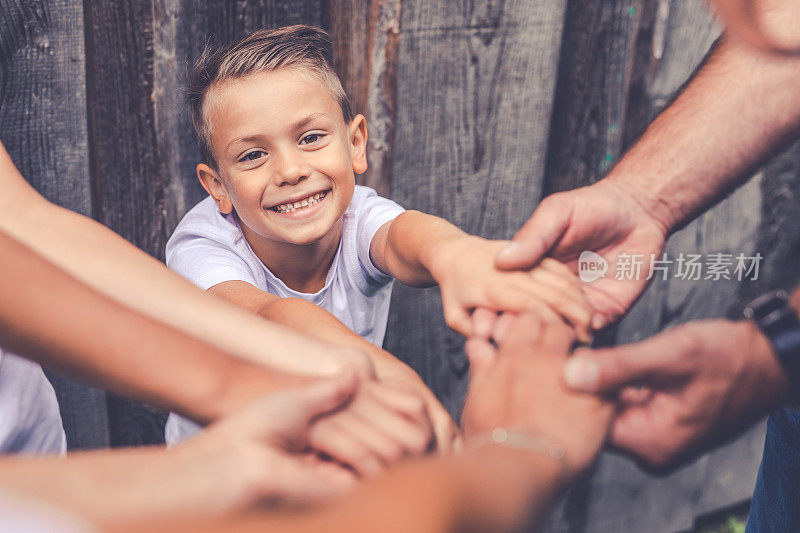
{"x": 521, "y": 389}
{"x": 464, "y": 268}
{"x": 704, "y": 382}
{"x": 603, "y": 218}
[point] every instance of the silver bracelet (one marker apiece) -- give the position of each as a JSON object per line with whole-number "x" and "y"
{"x": 522, "y": 441}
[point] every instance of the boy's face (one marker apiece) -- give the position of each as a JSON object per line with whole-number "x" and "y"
{"x": 286, "y": 159}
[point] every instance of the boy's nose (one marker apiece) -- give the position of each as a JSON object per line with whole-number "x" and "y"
{"x": 291, "y": 171}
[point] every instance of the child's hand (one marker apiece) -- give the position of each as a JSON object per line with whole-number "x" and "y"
{"x": 465, "y": 271}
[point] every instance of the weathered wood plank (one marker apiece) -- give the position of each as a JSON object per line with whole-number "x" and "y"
{"x": 127, "y": 182}
{"x": 128, "y": 177}
{"x": 778, "y": 240}
{"x": 366, "y": 37}
{"x": 43, "y": 119}
{"x": 475, "y": 89}
{"x": 43, "y": 126}
{"x": 597, "y": 69}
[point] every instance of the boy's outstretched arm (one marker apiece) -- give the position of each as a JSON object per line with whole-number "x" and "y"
{"x": 421, "y": 250}
{"x": 108, "y": 263}
{"x": 312, "y": 320}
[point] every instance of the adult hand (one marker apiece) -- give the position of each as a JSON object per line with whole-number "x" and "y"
{"x": 604, "y": 218}
{"x": 382, "y": 425}
{"x": 262, "y": 454}
{"x": 521, "y": 389}
{"x": 447, "y": 435}
{"x": 705, "y": 381}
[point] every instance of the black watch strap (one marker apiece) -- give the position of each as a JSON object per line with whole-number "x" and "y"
{"x": 777, "y": 319}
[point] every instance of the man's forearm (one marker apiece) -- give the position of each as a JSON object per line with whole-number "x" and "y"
{"x": 741, "y": 106}
{"x": 106, "y": 262}
{"x": 52, "y": 318}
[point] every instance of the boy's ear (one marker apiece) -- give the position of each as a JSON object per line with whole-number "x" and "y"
{"x": 358, "y": 142}
{"x": 212, "y": 183}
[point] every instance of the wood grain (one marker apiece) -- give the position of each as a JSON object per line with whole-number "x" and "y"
{"x": 128, "y": 177}
{"x": 366, "y": 37}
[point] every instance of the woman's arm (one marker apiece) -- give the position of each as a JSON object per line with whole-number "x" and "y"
{"x": 48, "y": 316}
{"x": 255, "y": 457}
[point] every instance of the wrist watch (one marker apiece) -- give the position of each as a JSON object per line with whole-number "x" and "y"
{"x": 777, "y": 319}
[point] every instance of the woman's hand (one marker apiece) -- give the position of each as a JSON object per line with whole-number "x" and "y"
{"x": 263, "y": 453}
{"x": 520, "y": 389}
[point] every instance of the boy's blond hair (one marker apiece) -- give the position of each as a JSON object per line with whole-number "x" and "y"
{"x": 261, "y": 51}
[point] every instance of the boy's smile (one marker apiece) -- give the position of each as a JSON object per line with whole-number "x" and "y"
{"x": 285, "y": 157}
{"x": 301, "y": 206}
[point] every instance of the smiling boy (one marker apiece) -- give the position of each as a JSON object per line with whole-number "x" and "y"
{"x": 285, "y": 225}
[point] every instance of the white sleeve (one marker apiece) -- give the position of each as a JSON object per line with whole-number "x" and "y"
{"x": 204, "y": 260}
{"x": 373, "y": 211}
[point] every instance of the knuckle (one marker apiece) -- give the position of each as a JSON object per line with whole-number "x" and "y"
{"x": 555, "y": 202}
{"x": 357, "y": 361}
{"x": 360, "y": 455}
{"x": 416, "y": 409}
{"x": 394, "y": 453}
{"x": 419, "y": 442}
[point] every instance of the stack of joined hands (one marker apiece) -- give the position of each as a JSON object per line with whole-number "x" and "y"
{"x": 661, "y": 400}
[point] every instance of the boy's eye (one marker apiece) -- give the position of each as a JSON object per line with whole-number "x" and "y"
{"x": 252, "y": 156}
{"x": 311, "y": 138}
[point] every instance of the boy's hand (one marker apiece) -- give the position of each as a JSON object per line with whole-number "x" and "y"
{"x": 465, "y": 269}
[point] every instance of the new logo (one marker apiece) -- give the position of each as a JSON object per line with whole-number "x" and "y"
{"x": 591, "y": 266}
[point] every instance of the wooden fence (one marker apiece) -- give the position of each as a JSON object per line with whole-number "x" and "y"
{"x": 477, "y": 109}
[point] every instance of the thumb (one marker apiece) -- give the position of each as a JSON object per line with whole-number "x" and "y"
{"x": 324, "y": 397}
{"x": 609, "y": 369}
{"x": 538, "y": 235}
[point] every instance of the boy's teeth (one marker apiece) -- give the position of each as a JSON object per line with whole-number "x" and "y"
{"x": 311, "y": 200}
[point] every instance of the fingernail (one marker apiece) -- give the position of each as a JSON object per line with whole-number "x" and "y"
{"x": 580, "y": 373}
{"x": 509, "y": 251}
{"x": 598, "y": 321}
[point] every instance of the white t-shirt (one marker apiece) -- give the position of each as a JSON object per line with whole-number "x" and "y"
{"x": 30, "y": 420}
{"x": 208, "y": 248}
